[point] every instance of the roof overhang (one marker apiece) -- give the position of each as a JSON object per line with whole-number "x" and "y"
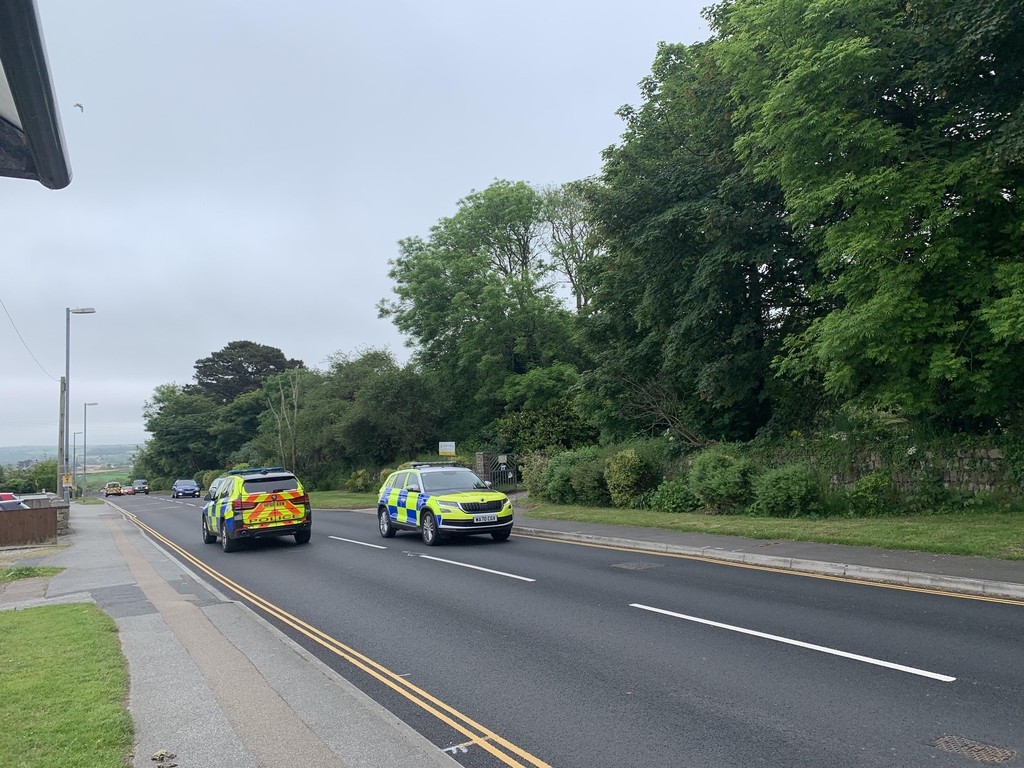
{"x": 31, "y": 139}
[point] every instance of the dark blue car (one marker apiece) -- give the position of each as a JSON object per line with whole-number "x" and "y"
{"x": 185, "y": 488}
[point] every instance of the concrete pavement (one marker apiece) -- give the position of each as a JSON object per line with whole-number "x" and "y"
{"x": 212, "y": 682}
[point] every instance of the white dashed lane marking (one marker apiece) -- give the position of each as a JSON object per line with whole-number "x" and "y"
{"x": 360, "y": 543}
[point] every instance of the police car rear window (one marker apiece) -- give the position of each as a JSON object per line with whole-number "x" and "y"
{"x": 270, "y": 484}
{"x": 448, "y": 480}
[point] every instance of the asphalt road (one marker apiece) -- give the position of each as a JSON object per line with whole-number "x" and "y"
{"x": 585, "y": 656}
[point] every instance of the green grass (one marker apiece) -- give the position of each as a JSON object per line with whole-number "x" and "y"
{"x": 986, "y": 534}
{"x": 62, "y": 689}
{"x": 88, "y": 500}
{"x": 342, "y": 500}
{"x": 8, "y": 575}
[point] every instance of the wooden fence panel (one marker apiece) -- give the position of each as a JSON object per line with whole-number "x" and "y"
{"x": 27, "y": 526}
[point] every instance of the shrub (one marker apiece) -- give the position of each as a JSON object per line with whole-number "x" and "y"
{"x": 359, "y": 482}
{"x": 675, "y": 497}
{"x": 532, "y": 467}
{"x": 555, "y": 482}
{"x": 628, "y": 477}
{"x": 790, "y": 491}
{"x": 722, "y": 480}
{"x": 872, "y": 495}
{"x": 589, "y": 485}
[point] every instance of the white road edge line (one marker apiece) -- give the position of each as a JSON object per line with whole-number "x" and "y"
{"x": 476, "y": 568}
{"x": 361, "y": 543}
{"x": 799, "y": 644}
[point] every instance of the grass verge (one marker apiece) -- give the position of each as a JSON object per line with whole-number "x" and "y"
{"x": 62, "y": 689}
{"x": 8, "y": 575}
{"x": 988, "y": 534}
{"x": 89, "y": 500}
{"x": 342, "y": 500}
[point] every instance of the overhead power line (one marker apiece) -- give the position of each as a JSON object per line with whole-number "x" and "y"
{"x": 15, "y": 327}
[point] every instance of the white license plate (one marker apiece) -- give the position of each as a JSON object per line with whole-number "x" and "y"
{"x": 485, "y": 518}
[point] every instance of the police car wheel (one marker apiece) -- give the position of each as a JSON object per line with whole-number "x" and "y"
{"x": 226, "y": 543}
{"x": 501, "y": 535}
{"x": 208, "y": 538}
{"x": 302, "y": 537}
{"x": 387, "y": 530}
{"x": 428, "y": 529}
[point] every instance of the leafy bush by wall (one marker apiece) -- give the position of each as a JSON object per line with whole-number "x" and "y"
{"x": 722, "y": 479}
{"x": 359, "y": 481}
{"x": 790, "y": 491}
{"x": 628, "y": 477}
{"x": 675, "y": 497}
{"x": 555, "y": 482}
{"x": 589, "y": 485}
{"x": 872, "y": 495}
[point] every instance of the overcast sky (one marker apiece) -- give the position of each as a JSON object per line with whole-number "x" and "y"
{"x": 300, "y": 140}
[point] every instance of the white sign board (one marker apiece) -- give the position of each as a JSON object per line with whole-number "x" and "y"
{"x": 446, "y": 449}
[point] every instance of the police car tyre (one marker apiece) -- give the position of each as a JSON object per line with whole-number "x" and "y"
{"x": 226, "y": 543}
{"x": 208, "y": 538}
{"x": 428, "y": 529}
{"x": 501, "y": 535}
{"x": 302, "y": 537}
{"x": 387, "y": 530}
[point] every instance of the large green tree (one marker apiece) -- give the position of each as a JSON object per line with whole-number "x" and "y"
{"x": 701, "y": 280}
{"x": 478, "y": 301}
{"x": 240, "y": 367}
{"x": 895, "y": 134}
{"x": 179, "y": 423}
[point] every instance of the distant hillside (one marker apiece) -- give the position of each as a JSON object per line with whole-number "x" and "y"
{"x": 117, "y": 455}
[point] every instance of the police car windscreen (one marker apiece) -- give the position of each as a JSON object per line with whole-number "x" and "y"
{"x": 270, "y": 484}
{"x": 448, "y": 480}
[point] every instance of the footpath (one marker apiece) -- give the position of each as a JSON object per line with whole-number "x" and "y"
{"x": 219, "y": 687}
{"x": 211, "y": 682}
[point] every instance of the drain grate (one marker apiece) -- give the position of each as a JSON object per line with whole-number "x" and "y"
{"x": 983, "y": 753}
{"x": 638, "y": 566}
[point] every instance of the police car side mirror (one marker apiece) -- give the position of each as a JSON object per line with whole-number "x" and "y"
{"x": 488, "y": 483}
{"x": 413, "y": 487}
{"x": 207, "y": 497}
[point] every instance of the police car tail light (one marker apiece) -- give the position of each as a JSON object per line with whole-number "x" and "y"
{"x": 303, "y": 499}
{"x": 240, "y": 506}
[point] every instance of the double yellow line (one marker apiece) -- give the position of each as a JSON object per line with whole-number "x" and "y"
{"x": 504, "y": 750}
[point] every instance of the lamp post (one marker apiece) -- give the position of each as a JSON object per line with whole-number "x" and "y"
{"x": 85, "y": 459}
{"x": 68, "y": 312}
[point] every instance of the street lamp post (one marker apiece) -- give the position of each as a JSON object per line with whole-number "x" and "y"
{"x": 68, "y": 312}
{"x": 85, "y": 458}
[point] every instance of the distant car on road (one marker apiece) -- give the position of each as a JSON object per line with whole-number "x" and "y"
{"x": 111, "y": 489}
{"x": 185, "y": 488}
{"x": 127, "y": 490}
{"x": 141, "y": 486}
{"x": 8, "y": 502}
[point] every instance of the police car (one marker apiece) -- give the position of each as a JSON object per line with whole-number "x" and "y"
{"x": 441, "y": 500}
{"x": 254, "y": 504}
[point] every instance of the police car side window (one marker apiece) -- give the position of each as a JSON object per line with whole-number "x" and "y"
{"x": 414, "y": 483}
{"x": 400, "y": 480}
{"x": 225, "y": 489}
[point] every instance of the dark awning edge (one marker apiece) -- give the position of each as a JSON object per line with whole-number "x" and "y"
{"x": 23, "y": 54}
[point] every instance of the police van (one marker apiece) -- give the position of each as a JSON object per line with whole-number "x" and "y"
{"x": 254, "y": 504}
{"x": 441, "y": 499}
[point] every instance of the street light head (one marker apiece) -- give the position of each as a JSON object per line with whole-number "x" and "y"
{"x": 83, "y": 311}
{"x": 92, "y": 403}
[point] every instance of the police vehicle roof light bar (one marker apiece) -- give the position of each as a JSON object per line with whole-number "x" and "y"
{"x": 254, "y": 470}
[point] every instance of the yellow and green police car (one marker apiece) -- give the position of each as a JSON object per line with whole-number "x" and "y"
{"x": 254, "y": 504}
{"x": 441, "y": 500}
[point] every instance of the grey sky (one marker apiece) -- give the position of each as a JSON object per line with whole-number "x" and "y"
{"x": 301, "y": 140}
